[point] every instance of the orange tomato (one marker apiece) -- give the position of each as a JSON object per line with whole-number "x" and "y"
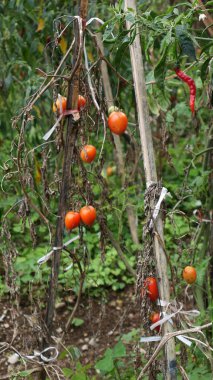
{"x": 72, "y": 220}
{"x": 109, "y": 171}
{"x": 155, "y": 317}
{"x": 150, "y": 285}
{"x": 81, "y": 102}
{"x": 88, "y": 215}
{"x": 88, "y": 153}
{"x": 117, "y": 122}
{"x": 189, "y": 274}
{"x": 60, "y": 105}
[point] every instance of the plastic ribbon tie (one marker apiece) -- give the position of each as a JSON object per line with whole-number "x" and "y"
{"x": 42, "y": 356}
{"x": 43, "y": 259}
{"x": 156, "y": 211}
{"x": 76, "y": 117}
{"x": 168, "y": 317}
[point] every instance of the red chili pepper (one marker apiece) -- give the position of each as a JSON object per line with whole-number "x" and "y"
{"x": 192, "y": 87}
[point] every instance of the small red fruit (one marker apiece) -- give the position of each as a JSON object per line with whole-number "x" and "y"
{"x": 88, "y": 215}
{"x": 88, "y": 153}
{"x": 72, "y": 220}
{"x": 155, "y": 317}
{"x": 81, "y": 102}
{"x": 189, "y": 274}
{"x": 117, "y": 122}
{"x": 150, "y": 284}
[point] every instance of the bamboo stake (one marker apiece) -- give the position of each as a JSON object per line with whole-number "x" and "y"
{"x": 71, "y": 138}
{"x": 151, "y": 177}
{"x": 117, "y": 141}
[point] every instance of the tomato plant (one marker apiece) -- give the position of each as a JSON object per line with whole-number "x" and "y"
{"x": 88, "y": 215}
{"x": 88, "y": 153}
{"x": 117, "y": 122}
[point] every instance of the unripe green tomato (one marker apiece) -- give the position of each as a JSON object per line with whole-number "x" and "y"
{"x": 112, "y": 109}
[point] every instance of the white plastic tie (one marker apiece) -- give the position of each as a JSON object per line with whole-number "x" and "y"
{"x": 37, "y": 354}
{"x": 94, "y": 19}
{"x": 156, "y": 211}
{"x": 147, "y": 339}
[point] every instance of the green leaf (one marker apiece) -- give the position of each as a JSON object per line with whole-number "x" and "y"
{"x": 185, "y": 41}
{"x": 106, "y": 364}
{"x": 79, "y": 376}
{"x": 25, "y": 373}
{"x": 130, "y": 17}
{"x": 108, "y": 31}
{"x": 67, "y": 372}
{"x": 77, "y": 322}
{"x": 204, "y": 69}
{"x": 160, "y": 70}
{"x": 119, "y": 350}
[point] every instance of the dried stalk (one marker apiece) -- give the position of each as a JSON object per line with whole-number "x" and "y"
{"x": 151, "y": 177}
{"x": 71, "y": 138}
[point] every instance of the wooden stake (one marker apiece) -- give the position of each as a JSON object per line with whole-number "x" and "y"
{"x": 71, "y": 139}
{"x": 151, "y": 177}
{"x": 118, "y": 146}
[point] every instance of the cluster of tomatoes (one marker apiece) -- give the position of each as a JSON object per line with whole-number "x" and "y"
{"x": 117, "y": 123}
{"x": 150, "y": 287}
{"x": 87, "y": 215}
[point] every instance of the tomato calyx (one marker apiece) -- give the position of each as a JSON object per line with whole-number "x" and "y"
{"x": 112, "y": 109}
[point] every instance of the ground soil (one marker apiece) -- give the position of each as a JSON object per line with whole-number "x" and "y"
{"x": 104, "y": 321}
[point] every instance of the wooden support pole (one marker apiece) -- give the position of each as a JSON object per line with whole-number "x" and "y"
{"x": 70, "y": 142}
{"x": 118, "y": 146}
{"x": 151, "y": 177}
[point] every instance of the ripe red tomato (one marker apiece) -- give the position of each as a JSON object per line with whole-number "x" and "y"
{"x": 189, "y": 274}
{"x": 155, "y": 317}
{"x": 117, "y": 122}
{"x": 81, "y": 102}
{"x": 88, "y": 153}
{"x": 72, "y": 220}
{"x": 88, "y": 215}
{"x": 150, "y": 284}
{"x": 60, "y": 105}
